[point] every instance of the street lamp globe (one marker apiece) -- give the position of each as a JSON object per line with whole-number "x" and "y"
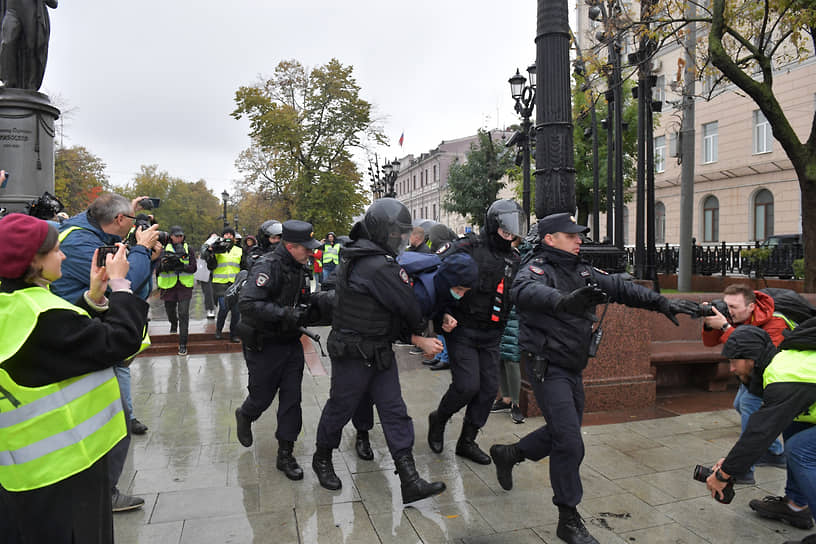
{"x": 517, "y": 85}
{"x": 396, "y": 166}
{"x": 386, "y": 168}
{"x": 531, "y": 75}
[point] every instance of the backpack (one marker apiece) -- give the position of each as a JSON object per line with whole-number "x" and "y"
{"x": 421, "y": 268}
{"x": 790, "y": 304}
{"x": 233, "y": 291}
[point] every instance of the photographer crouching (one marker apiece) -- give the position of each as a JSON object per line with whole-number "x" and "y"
{"x": 789, "y": 407}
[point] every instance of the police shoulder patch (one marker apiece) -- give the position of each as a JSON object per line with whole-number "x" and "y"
{"x": 536, "y": 270}
{"x": 261, "y": 280}
{"x": 404, "y": 276}
{"x": 443, "y": 249}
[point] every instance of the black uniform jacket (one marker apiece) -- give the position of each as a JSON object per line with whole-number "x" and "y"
{"x": 273, "y": 288}
{"x": 375, "y": 273}
{"x": 547, "y": 274}
{"x": 781, "y": 402}
{"x": 65, "y": 344}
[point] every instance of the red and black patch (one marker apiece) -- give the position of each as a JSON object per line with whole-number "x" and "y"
{"x": 404, "y": 276}
{"x": 536, "y": 270}
{"x": 443, "y": 249}
{"x": 261, "y": 280}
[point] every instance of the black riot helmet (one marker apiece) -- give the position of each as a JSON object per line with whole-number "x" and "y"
{"x": 388, "y": 223}
{"x": 507, "y": 215}
{"x": 269, "y": 228}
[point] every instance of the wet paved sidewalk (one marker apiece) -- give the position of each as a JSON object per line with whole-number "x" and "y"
{"x": 201, "y": 486}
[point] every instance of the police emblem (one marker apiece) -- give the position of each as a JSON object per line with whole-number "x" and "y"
{"x": 404, "y": 276}
{"x": 536, "y": 270}
{"x": 261, "y": 280}
{"x": 443, "y": 249}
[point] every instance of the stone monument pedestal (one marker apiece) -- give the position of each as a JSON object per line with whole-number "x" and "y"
{"x": 26, "y": 146}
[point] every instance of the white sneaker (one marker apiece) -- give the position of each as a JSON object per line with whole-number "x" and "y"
{"x": 210, "y": 314}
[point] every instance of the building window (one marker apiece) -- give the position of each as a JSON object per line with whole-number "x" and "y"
{"x": 660, "y": 154}
{"x": 673, "y": 141}
{"x": 763, "y": 136}
{"x": 763, "y": 215}
{"x": 427, "y": 179}
{"x": 413, "y": 213}
{"x": 660, "y": 223}
{"x": 710, "y": 140}
{"x": 436, "y": 173}
{"x": 625, "y": 225}
{"x": 711, "y": 219}
{"x": 414, "y": 182}
{"x": 659, "y": 92}
{"x": 435, "y": 218}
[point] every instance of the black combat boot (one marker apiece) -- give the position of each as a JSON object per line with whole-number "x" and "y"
{"x": 323, "y": 467}
{"x": 467, "y": 447}
{"x": 436, "y": 431}
{"x": 286, "y": 461}
{"x": 505, "y": 457}
{"x": 413, "y": 487}
{"x": 363, "y": 446}
{"x": 243, "y": 428}
{"x": 571, "y": 528}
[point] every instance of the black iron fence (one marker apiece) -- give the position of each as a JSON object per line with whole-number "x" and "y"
{"x": 725, "y": 259}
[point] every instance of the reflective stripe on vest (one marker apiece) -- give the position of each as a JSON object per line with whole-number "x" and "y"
{"x": 793, "y": 366}
{"x": 229, "y": 264}
{"x": 331, "y": 254}
{"x": 789, "y": 322}
{"x": 52, "y": 432}
{"x": 64, "y": 234}
{"x": 167, "y": 280}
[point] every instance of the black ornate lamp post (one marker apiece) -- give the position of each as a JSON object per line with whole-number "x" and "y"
{"x": 524, "y": 95}
{"x": 377, "y": 183}
{"x": 390, "y": 173}
{"x": 224, "y": 197}
{"x": 235, "y": 222}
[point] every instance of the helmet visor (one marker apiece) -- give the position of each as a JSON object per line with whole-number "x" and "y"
{"x": 513, "y": 222}
{"x": 398, "y": 241}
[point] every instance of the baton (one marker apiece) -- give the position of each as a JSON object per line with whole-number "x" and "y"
{"x": 314, "y": 336}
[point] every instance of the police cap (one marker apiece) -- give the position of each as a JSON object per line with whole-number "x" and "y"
{"x": 559, "y": 222}
{"x": 299, "y": 232}
{"x": 176, "y": 230}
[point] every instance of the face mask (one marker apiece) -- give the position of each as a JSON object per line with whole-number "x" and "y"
{"x": 455, "y": 295}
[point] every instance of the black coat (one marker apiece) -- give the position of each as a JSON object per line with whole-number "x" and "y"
{"x": 546, "y": 275}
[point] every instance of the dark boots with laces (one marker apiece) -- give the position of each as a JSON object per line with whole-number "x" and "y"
{"x": 324, "y": 469}
{"x": 505, "y": 458}
{"x": 286, "y": 461}
{"x": 467, "y": 447}
{"x": 571, "y": 528}
{"x": 413, "y": 487}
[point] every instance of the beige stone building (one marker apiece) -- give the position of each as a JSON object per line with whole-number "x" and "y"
{"x": 422, "y": 181}
{"x": 744, "y": 186}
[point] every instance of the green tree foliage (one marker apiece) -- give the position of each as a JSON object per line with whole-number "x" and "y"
{"x": 192, "y": 206}
{"x": 581, "y": 103}
{"x": 304, "y": 125}
{"x": 79, "y": 177}
{"x": 474, "y": 184}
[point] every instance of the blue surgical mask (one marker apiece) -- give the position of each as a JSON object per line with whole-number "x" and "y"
{"x": 454, "y": 294}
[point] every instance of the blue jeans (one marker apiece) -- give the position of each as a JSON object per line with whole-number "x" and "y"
{"x": 123, "y": 376}
{"x": 746, "y": 403}
{"x": 443, "y": 357}
{"x": 800, "y": 446}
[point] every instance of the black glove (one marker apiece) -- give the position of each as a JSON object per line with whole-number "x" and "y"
{"x": 580, "y": 301}
{"x": 294, "y": 318}
{"x": 672, "y": 307}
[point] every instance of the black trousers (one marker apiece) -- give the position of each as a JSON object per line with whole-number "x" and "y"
{"x": 561, "y": 399}
{"x": 179, "y": 312}
{"x": 351, "y": 381}
{"x": 363, "y": 418}
{"x": 77, "y": 509}
{"x": 278, "y": 367}
{"x": 474, "y": 360}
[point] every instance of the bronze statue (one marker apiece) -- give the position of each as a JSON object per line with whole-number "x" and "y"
{"x": 24, "y": 31}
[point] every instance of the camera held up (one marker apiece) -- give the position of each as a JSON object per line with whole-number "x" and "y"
{"x": 217, "y": 244}
{"x": 144, "y": 222}
{"x": 702, "y": 473}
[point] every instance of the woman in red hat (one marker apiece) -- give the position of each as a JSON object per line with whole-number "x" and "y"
{"x": 60, "y": 406}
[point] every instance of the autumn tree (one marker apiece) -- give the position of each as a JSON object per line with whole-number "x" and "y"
{"x": 79, "y": 177}
{"x": 474, "y": 184}
{"x": 304, "y": 127}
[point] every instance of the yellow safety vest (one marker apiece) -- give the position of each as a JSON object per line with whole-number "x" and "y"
{"x": 167, "y": 280}
{"x": 331, "y": 254}
{"x": 50, "y": 433}
{"x": 788, "y": 321}
{"x": 229, "y": 264}
{"x": 793, "y": 366}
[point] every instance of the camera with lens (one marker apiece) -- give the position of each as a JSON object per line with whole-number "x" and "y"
{"x": 45, "y": 207}
{"x": 706, "y": 309}
{"x": 149, "y": 203}
{"x": 701, "y": 474}
{"x": 217, "y": 244}
{"x": 144, "y": 222}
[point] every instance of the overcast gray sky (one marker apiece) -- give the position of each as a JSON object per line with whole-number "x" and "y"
{"x": 152, "y": 82}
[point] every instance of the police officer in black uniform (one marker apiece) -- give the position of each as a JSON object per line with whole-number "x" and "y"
{"x": 274, "y": 305}
{"x": 473, "y": 346}
{"x": 375, "y": 306}
{"x": 269, "y": 236}
{"x": 555, "y": 293}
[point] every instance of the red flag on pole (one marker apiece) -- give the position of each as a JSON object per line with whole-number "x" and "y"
{"x": 402, "y": 138}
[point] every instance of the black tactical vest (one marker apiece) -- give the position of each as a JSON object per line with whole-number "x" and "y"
{"x": 359, "y": 313}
